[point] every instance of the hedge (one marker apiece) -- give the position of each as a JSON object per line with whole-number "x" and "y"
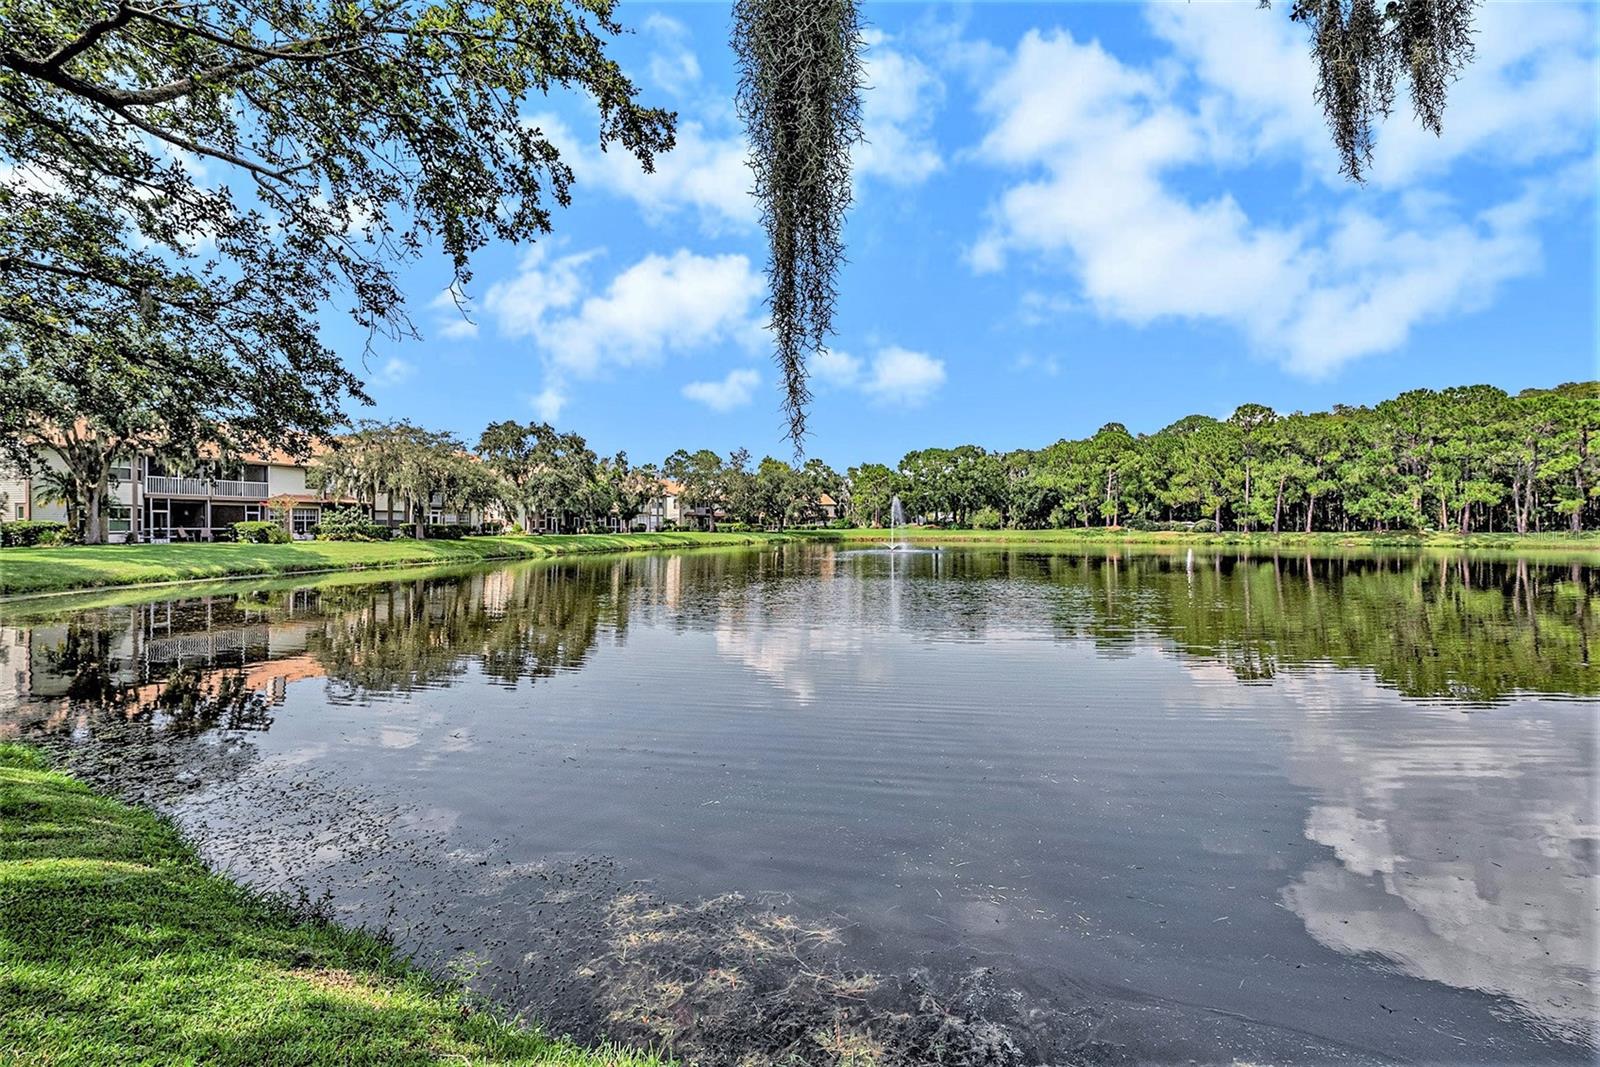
{"x": 22, "y": 532}
{"x": 261, "y": 532}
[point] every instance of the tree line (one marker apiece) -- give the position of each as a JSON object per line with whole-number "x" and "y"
{"x": 530, "y": 471}
{"x": 1465, "y": 459}
{"x": 1470, "y": 458}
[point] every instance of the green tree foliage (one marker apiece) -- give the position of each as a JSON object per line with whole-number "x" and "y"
{"x": 703, "y": 481}
{"x": 872, "y": 488}
{"x": 88, "y": 399}
{"x": 1463, "y": 459}
{"x": 408, "y": 464}
{"x": 547, "y": 471}
{"x": 949, "y": 484}
{"x": 628, "y": 488}
{"x": 235, "y": 166}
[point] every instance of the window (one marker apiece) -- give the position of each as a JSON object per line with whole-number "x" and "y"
{"x": 255, "y": 472}
{"x": 22, "y": 511}
{"x": 435, "y": 518}
{"x": 303, "y": 519}
{"x": 121, "y": 519}
{"x": 121, "y": 470}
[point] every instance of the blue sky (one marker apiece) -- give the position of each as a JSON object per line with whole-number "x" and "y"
{"x": 1066, "y": 214}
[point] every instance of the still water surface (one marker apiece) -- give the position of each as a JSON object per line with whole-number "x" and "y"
{"x": 851, "y": 806}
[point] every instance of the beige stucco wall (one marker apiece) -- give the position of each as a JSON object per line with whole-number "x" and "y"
{"x": 285, "y": 479}
{"x": 13, "y": 486}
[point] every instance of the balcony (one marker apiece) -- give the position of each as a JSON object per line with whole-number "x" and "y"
{"x": 162, "y": 485}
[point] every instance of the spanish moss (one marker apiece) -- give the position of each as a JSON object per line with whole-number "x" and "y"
{"x": 799, "y": 95}
{"x": 1363, "y": 47}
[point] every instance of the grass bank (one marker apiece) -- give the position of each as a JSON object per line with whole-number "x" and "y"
{"x": 25, "y": 571}
{"x": 118, "y": 946}
{"x": 1568, "y": 543}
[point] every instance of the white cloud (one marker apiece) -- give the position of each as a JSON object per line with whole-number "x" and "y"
{"x": 452, "y": 322}
{"x": 1528, "y": 93}
{"x": 1049, "y": 366}
{"x": 548, "y": 402}
{"x": 894, "y": 375}
{"x": 395, "y": 371}
{"x": 734, "y": 390}
{"x": 897, "y": 110}
{"x": 1098, "y": 143}
{"x": 704, "y": 173}
{"x": 659, "y": 305}
{"x": 673, "y": 65}
{"x": 835, "y": 367}
{"x": 901, "y": 376}
{"x": 520, "y": 304}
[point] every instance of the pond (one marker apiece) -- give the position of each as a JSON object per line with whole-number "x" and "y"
{"x": 824, "y": 805}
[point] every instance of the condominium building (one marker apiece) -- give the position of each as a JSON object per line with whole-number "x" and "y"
{"x": 153, "y": 501}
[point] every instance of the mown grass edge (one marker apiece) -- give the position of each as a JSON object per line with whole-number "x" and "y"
{"x": 118, "y": 946}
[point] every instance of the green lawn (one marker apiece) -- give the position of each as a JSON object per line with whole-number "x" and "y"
{"x": 46, "y": 570}
{"x": 117, "y": 946}
{"x": 1580, "y": 543}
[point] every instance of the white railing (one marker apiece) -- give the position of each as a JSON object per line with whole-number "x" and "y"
{"x": 156, "y": 484}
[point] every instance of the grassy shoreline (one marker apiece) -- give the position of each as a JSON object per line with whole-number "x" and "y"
{"x": 117, "y": 945}
{"x": 1588, "y": 542}
{"x": 33, "y": 571}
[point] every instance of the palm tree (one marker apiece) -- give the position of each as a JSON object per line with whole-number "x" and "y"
{"x": 60, "y": 486}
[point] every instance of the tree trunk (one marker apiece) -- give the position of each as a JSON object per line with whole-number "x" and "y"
{"x": 1245, "y": 524}
{"x": 1311, "y": 508}
{"x": 417, "y": 517}
{"x": 1277, "y": 508}
{"x": 1577, "y": 482}
{"x": 91, "y": 521}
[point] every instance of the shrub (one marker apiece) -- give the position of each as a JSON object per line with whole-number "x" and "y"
{"x": 23, "y": 532}
{"x": 349, "y": 524}
{"x": 448, "y": 531}
{"x": 987, "y": 519}
{"x": 1203, "y": 526}
{"x": 261, "y": 532}
{"x": 735, "y": 527}
{"x": 842, "y": 524}
{"x": 1140, "y": 524}
{"x": 66, "y": 535}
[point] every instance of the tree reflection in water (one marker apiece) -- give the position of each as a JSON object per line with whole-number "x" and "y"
{"x": 1451, "y": 844}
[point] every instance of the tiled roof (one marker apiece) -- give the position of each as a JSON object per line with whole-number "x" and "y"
{"x": 309, "y": 498}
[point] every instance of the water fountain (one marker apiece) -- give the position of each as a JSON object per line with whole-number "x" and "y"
{"x": 897, "y": 518}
